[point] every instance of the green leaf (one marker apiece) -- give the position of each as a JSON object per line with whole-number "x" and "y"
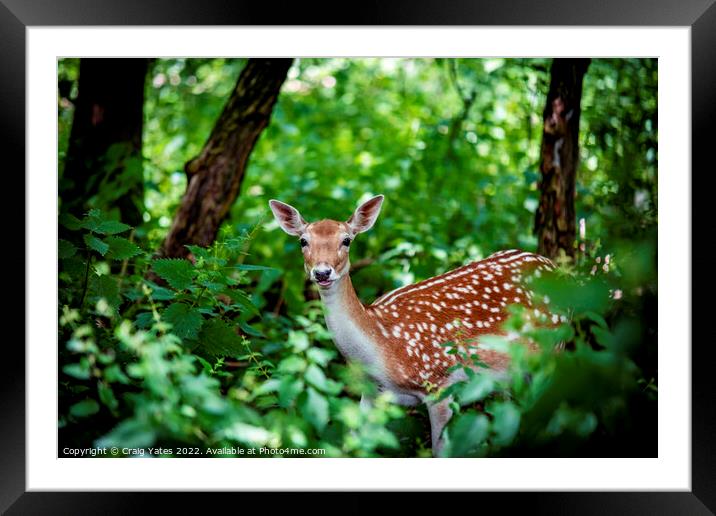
{"x": 79, "y": 371}
{"x": 288, "y": 389}
{"x": 314, "y": 408}
{"x": 160, "y": 293}
{"x": 205, "y": 364}
{"x": 476, "y": 389}
{"x": 267, "y": 387}
{"x": 84, "y": 408}
{"x": 242, "y": 300}
{"x": 219, "y": 339}
{"x": 248, "y": 267}
{"x": 506, "y": 423}
{"x": 111, "y": 227}
{"x": 466, "y": 433}
{"x": 106, "y": 396}
{"x": 250, "y": 330}
{"x": 130, "y": 433}
{"x": 96, "y": 244}
{"x": 315, "y": 376}
{"x": 597, "y": 318}
{"x": 114, "y": 374}
{"x": 198, "y": 252}
{"x": 70, "y": 221}
{"x": 105, "y": 287}
{"x": 320, "y": 356}
{"x": 185, "y": 321}
{"x": 179, "y": 273}
{"x": 292, "y": 364}
{"x": 92, "y": 220}
{"x": 65, "y": 249}
{"x": 250, "y": 435}
{"x": 298, "y": 340}
{"x": 144, "y": 320}
{"x": 121, "y": 248}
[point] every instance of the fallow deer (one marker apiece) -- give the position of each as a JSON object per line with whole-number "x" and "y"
{"x": 401, "y": 338}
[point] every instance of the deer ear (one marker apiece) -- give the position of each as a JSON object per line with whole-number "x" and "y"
{"x": 288, "y": 217}
{"x": 365, "y": 215}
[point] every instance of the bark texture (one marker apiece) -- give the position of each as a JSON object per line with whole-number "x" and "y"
{"x": 104, "y": 156}
{"x": 555, "y": 218}
{"x": 214, "y": 177}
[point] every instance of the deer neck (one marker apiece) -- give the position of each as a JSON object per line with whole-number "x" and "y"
{"x": 352, "y": 329}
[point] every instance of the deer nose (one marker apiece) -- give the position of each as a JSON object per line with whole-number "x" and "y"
{"x": 321, "y": 274}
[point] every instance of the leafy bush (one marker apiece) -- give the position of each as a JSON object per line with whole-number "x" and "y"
{"x": 160, "y": 361}
{"x": 227, "y": 349}
{"x": 187, "y": 359}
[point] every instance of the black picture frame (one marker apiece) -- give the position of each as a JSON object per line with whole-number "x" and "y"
{"x": 17, "y": 15}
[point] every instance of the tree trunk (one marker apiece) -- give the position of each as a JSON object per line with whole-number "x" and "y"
{"x": 103, "y": 167}
{"x": 555, "y": 218}
{"x": 215, "y": 175}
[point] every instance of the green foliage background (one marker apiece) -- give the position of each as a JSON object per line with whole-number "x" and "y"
{"x": 143, "y": 364}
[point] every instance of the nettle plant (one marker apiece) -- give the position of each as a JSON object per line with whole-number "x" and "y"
{"x": 187, "y": 357}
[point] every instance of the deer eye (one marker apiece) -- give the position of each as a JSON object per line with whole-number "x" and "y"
{"x": 303, "y": 242}
{"x": 346, "y": 241}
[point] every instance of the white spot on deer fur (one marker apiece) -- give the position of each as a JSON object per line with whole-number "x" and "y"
{"x": 494, "y": 309}
{"x": 488, "y": 290}
{"x": 411, "y": 326}
{"x": 445, "y": 364}
{"x": 396, "y": 331}
{"x": 433, "y": 328}
{"x": 555, "y": 318}
{"x": 448, "y": 326}
{"x": 467, "y": 324}
{"x": 417, "y": 336}
{"x": 425, "y": 357}
{"x": 479, "y": 324}
{"x": 517, "y": 299}
{"x": 484, "y": 306}
{"x": 436, "y": 355}
{"x": 395, "y": 314}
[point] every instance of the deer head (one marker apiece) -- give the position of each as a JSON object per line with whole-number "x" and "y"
{"x": 325, "y": 244}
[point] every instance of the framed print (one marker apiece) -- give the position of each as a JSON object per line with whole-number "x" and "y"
{"x": 423, "y": 251}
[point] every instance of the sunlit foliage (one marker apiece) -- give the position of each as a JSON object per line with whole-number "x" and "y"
{"x": 148, "y": 350}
